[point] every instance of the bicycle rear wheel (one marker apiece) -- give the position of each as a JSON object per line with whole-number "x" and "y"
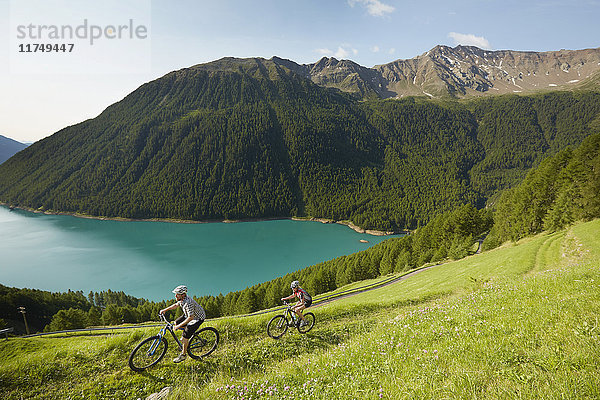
{"x": 277, "y": 326}
{"x": 310, "y": 322}
{"x": 148, "y": 353}
{"x": 203, "y": 342}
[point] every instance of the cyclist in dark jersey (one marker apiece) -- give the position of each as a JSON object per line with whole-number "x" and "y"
{"x": 304, "y": 300}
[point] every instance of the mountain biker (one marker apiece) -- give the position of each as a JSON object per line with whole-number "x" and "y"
{"x": 304, "y": 300}
{"x": 193, "y": 316}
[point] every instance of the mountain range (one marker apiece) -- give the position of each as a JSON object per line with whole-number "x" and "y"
{"x": 8, "y": 147}
{"x": 462, "y": 71}
{"x": 255, "y": 138}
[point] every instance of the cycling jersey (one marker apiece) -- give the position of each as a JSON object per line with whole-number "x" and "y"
{"x": 192, "y": 309}
{"x": 301, "y": 294}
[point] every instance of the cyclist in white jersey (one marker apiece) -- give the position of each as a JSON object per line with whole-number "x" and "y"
{"x": 192, "y": 318}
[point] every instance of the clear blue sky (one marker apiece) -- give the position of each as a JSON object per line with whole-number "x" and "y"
{"x": 183, "y": 33}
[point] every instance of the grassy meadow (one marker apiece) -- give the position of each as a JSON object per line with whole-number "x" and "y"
{"x": 520, "y": 321}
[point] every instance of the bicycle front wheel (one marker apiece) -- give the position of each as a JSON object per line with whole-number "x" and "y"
{"x": 203, "y": 342}
{"x": 278, "y": 325}
{"x": 310, "y": 322}
{"x": 147, "y": 353}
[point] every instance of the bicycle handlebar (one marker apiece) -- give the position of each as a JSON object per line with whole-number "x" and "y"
{"x": 164, "y": 319}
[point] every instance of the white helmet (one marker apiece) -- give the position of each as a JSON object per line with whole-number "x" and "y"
{"x": 295, "y": 284}
{"x": 181, "y": 289}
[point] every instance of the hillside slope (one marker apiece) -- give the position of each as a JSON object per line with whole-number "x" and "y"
{"x": 515, "y": 322}
{"x": 502, "y": 338}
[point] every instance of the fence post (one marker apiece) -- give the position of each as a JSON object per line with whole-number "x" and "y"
{"x": 5, "y": 331}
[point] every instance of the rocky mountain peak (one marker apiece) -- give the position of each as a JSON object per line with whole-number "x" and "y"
{"x": 466, "y": 71}
{"x": 461, "y": 71}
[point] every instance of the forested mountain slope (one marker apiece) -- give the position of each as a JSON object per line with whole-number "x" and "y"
{"x": 252, "y": 138}
{"x": 562, "y": 190}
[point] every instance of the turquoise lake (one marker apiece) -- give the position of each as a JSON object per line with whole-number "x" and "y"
{"x": 147, "y": 259}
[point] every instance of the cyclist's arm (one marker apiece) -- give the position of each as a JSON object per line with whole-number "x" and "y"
{"x": 184, "y": 322}
{"x": 288, "y": 298}
{"x": 171, "y": 307}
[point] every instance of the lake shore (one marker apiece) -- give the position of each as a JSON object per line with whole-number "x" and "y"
{"x": 349, "y": 224}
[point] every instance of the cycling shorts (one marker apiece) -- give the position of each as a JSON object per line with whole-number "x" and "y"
{"x": 189, "y": 329}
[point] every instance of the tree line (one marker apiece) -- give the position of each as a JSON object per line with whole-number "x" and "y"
{"x": 562, "y": 190}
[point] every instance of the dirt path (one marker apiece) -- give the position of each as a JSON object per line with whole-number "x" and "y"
{"x": 347, "y": 293}
{"x": 370, "y": 287}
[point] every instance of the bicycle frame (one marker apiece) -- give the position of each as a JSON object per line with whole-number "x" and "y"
{"x": 289, "y": 314}
{"x": 168, "y": 327}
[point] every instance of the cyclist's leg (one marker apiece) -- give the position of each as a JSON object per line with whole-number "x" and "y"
{"x": 298, "y": 310}
{"x": 188, "y": 332}
{"x": 178, "y": 321}
{"x": 185, "y": 342}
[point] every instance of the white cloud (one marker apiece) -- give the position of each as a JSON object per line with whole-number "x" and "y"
{"x": 374, "y": 7}
{"x": 340, "y": 53}
{"x": 324, "y": 52}
{"x": 375, "y": 49}
{"x": 470, "y": 40}
{"x": 392, "y": 50}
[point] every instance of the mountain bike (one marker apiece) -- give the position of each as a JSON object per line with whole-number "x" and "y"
{"x": 279, "y": 324}
{"x": 151, "y": 350}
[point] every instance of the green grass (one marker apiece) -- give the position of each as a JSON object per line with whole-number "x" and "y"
{"x": 520, "y": 321}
